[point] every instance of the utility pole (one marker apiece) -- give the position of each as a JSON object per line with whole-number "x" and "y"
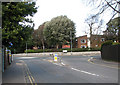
{"x": 26, "y": 48}
{"x": 71, "y": 41}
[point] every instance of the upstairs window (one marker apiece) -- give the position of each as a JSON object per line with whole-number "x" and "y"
{"x": 83, "y": 41}
{"x": 102, "y": 39}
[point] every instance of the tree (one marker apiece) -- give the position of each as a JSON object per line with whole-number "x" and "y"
{"x": 57, "y": 31}
{"x": 104, "y": 5}
{"x": 14, "y": 28}
{"x": 39, "y": 37}
{"x": 113, "y": 29}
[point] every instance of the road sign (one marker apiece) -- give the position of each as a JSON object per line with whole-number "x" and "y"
{"x": 55, "y": 57}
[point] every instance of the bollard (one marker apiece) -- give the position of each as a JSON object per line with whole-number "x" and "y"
{"x": 55, "y": 57}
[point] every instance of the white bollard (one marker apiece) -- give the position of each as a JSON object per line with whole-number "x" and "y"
{"x": 55, "y": 57}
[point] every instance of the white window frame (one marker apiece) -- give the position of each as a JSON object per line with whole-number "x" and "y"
{"x": 102, "y": 39}
{"x": 84, "y": 40}
{"x": 84, "y": 46}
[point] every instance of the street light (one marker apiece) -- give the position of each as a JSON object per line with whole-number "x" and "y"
{"x": 26, "y": 48}
{"x": 71, "y": 41}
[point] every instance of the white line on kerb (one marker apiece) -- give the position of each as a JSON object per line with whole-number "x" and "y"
{"x": 84, "y": 72}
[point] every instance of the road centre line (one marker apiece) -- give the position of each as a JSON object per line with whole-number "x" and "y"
{"x": 84, "y": 72}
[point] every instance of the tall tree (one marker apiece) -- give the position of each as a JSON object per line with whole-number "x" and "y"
{"x": 104, "y": 5}
{"x": 57, "y": 31}
{"x": 14, "y": 19}
{"x": 113, "y": 29}
{"x": 41, "y": 36}
{"x": 38, "y": 36}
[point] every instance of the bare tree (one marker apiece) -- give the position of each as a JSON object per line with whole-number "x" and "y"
{"x": 104, "y": 5}
{"x": 94, "y": 24}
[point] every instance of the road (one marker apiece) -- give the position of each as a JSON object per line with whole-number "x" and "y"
{"x": 72, "y": 69}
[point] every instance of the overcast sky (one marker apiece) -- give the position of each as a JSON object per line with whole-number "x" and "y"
{"x": 75, "y": 10}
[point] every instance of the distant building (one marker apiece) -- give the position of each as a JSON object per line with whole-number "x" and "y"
{"x": 82, "y": 41}
{"x": 66, "y": 45}
{"x": 94, "y": 41}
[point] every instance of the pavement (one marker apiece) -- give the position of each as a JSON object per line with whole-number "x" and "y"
{"x": 14, "y": 73}
{"x": 99, "y": 61}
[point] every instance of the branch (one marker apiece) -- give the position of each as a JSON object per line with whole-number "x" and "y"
{"x": 112, "y": 7}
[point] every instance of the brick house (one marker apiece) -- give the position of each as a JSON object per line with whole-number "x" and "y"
{"x": 94, "y": 41}
{"x": 82, "y": 42}
{"x": 66, "y": 45}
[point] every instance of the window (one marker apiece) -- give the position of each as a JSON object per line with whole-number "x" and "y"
{"x": 102, "y": 39}
{"x": 95, "y": 38}
{"x": 83, "y": 41}
{"x": 83, "y": 46}
{"x": 96, "y": 45}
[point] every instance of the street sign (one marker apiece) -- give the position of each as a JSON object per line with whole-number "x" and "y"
{"x": 55, "y": 57}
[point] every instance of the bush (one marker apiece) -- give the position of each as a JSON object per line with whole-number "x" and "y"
{"x": 115, "y": 43}
{"x": 95, "y": 49}
{"x": 109, "y": 42}
{"x": 57, "y": 50}
{"x": 60, "y": 50}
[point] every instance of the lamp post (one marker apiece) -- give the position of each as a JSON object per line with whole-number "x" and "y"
{"x": 26, "y": 48}
{"x": 71, "y": 41}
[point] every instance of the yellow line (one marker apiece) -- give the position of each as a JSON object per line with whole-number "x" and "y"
{"x": 30, "y": 76}
{"x": 89, "y": 60}
{"x": 30, "y": 79}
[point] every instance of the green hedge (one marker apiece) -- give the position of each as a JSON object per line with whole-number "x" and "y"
{"x": 60, "y": 50}
{"x": 110, "y": 42}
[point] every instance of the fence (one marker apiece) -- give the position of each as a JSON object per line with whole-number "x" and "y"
{"x": 111, "y": 52}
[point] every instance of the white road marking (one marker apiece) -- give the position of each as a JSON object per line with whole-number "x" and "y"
{"x": 57, "y": 64}
{"x": 84, "y": 72}
{"x": 63, "y": 64}
{"x": 27, "y": 57}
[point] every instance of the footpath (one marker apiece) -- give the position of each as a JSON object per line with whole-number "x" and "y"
{"x": 14, "y": 73}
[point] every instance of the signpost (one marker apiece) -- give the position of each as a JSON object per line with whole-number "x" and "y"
{"x": 55, "y": 57}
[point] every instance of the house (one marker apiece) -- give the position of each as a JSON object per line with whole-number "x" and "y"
{"x": 66, "y": 45}
{"x": 82, "y": 42}
{"x": 94, "y": 41}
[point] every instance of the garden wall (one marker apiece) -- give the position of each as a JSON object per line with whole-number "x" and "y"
{"x": 110, "y": 52}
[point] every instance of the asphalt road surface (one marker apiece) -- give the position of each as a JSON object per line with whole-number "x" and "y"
{"x": 71, "y": 69}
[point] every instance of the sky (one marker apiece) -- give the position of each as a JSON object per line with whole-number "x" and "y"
{"x": 76, "y": 10}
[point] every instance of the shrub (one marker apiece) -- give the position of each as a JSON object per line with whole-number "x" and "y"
{"x": 109, "y": 42}
{"x": 115, "y": 43}
{"x": 57, "y": 50}
{"x": 95, "y": 49}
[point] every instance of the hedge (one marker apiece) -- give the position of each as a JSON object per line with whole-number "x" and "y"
{"x": 60, "y": 50}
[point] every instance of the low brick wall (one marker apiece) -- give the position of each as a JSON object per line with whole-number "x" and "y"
{"x": 91, "y": 53}
{"x": 111, "y": 52}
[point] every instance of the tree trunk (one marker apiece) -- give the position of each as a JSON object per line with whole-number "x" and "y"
{"x": 57, "y": 46}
